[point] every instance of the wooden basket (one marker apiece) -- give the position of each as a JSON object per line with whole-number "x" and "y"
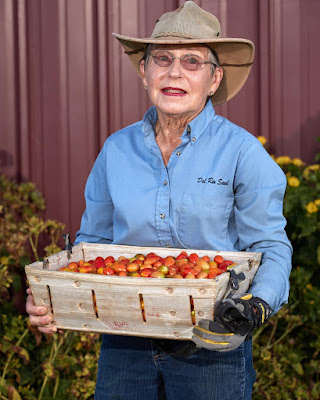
{"x": 112, "y": 304}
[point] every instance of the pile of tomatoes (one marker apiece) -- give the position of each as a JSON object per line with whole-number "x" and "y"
{"x": 183, "y": 266}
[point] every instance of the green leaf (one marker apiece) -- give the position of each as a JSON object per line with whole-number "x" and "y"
{"x": 298, "y": 368}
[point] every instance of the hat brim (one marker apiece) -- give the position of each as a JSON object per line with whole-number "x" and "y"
{"x": 235, "y": 56}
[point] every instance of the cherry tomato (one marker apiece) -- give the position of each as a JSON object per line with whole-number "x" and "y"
{"x": 73, "y": 266}
{"x": 218, "y": 259}
{"x": 193, "y": 258}
{"x": 223, "y": 266}
{"x": 109, "y": 260}
{"x": 109, "y": 271}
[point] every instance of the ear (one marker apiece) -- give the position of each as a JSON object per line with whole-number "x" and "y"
{"x": 142, "y": 72}
{"x": 216, "y": 79}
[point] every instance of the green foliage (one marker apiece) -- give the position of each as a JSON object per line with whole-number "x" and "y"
{"x": 286, "y": 349}
{"x": 64, "y": 365}
{"x": 32, "y": 365}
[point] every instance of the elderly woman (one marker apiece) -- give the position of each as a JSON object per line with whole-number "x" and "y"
{"x": 185, "y": 177}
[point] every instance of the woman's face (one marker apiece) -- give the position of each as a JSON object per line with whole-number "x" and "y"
{"x": 176, "y": 91}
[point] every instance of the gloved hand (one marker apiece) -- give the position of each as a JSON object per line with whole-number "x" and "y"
{"x": 235, "y": 320}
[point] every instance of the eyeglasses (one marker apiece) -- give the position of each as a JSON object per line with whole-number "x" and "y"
{"x": 190, "y": 62}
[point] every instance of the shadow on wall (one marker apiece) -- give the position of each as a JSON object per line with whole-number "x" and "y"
{"x": 6, "y": 159}
{"x": 309, "y": 144}
{"x": 302, "y": 143}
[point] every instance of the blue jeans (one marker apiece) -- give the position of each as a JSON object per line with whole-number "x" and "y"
{"x": 134, "y": 368}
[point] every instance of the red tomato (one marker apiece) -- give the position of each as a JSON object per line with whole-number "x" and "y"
{"x": 99, "y": 262}
{"x": 169, "y": 261}
{"x": 109, "y": 260}
{"x": 215, "y": 271}
{"x": 122, "y": 273}
{"x": 193, "y": 258}
{"x": 182, "y": 256}
{"x": 151, "y": 255}
{"x": 188, "y": 270}
{"x": 157, "y": 264}
{"x": 218, "y": 259}
{"x": 109, "y": 271}
{"x": 151, "y": 260}
{"x": 223, "y": 266}
{"x": 205, "y": 258}
{"x": 146, "y": 272}
{"x": 137, "y": 261}
{"x": 118, "y": 267}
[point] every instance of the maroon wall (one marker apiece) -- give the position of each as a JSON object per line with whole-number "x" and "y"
{"x": 65, "y": 84}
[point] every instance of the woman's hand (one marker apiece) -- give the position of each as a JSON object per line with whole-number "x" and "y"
{"x": 38, "y": 316}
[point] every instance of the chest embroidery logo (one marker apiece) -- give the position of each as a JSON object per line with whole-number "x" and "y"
{"x": 218, "y": 182}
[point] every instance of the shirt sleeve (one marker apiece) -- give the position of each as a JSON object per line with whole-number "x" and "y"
{"x": 259, "y": 191}
{"x": 97, "y": 220}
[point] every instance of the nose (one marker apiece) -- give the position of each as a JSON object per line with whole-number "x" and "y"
{"x": 175, "y": 69}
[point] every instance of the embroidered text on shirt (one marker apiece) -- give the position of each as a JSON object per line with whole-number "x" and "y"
{"x": 220, "y": 181}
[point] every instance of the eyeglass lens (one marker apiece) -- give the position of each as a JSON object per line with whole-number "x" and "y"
{"x": 191, "y": 62}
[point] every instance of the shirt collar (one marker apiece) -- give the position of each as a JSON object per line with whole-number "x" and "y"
{"x": 193, "y": 130}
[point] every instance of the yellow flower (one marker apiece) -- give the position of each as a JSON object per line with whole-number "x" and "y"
{"x": 297, "y": 162}
{"x": 310, "y": 168}
{"x": 311, "y": 208}
{"x": 283, "y": 160}
{"x": 317, "y": 202}
{"x": 262, "y": 140}
{"x": 293, "y": 181}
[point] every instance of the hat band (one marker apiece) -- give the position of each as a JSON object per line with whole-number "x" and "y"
{"x": 236, "y": 65}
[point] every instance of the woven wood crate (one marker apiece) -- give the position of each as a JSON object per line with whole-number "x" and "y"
{"x": 112, "y": 304}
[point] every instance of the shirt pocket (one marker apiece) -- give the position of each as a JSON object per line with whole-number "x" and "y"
{"x": 203, "y": 220}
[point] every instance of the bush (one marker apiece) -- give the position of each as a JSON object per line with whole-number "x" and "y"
{"x": 64, "y": 366}
{"x": 32, "y": 365}
{"x": 286, "y": 349}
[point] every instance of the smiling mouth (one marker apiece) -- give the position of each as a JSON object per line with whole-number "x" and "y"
{"x": 173, "y": 91}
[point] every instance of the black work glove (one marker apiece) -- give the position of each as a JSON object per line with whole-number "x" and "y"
{"x": 235, "y": 320}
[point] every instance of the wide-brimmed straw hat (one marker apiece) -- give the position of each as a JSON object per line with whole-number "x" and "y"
{"x": 191, "y": 24}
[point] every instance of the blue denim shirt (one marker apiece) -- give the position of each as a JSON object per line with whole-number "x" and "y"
{"x": 219, "y": 191}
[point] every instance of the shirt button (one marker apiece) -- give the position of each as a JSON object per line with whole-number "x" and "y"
{"x": 194, "y": 139}
{"x": 178, "y": 153}
{"x": 165, "y": 183}
{"x": 162, "y": 216}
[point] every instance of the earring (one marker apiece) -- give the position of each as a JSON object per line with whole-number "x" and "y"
{"x": 211, "y": 94}
{"x": 145, "y": 87}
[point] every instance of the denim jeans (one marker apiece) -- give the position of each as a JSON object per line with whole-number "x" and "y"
{"x": 134, "y": 368}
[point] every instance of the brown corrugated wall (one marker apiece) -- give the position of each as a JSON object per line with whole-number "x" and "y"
{"x": 65, "y": 84}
